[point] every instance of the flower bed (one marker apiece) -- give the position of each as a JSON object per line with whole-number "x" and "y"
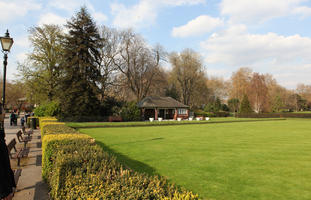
{"x": 76, "y": 168}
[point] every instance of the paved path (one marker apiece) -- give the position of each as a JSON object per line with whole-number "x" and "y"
{"x": 30, "y": 185}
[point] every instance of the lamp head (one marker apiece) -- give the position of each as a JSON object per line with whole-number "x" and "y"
{"x": 6, "y": 42}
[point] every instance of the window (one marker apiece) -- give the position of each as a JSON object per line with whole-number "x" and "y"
{"x": 182, "y": 111}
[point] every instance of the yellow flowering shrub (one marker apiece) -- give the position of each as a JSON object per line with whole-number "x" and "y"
{"x": 75, "y": 167}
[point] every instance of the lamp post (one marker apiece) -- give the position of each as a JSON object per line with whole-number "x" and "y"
{"x": 6, "y": 43}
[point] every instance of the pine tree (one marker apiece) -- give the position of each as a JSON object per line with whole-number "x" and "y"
{"x": 245, "y": 106}
{"x": 81, "y": 68}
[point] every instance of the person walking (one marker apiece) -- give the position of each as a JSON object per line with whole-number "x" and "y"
{"x": 12, "y": 115}
{"x": 22, "y": 121}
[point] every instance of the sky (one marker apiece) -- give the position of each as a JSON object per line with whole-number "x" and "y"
{"x": 268, "y": 36}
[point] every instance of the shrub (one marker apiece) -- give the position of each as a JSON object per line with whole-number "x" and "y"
{"x": 130, "y": 112}
{"x": 47, "y": 109}
{"x": 76, "y": 168}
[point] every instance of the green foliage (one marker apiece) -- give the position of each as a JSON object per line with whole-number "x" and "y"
{"x": 47, "y": 109}
{"x": 234, "y": 104}
{"x": 214, "y": 106}
{"x": 245, "y": 106}
{"x": 41, "y": 73}
{"x": 81, "y": 68}
{"x": 277, "y": 104}
{"x": 130, "y": 112}
{"x": 76, "y": 168}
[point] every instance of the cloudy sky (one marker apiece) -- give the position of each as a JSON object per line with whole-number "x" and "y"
{"x": 269, "y": 36}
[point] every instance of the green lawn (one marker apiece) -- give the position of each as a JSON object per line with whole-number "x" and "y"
{"x": 157, "y": 123}
{"x": 248, "y": 160}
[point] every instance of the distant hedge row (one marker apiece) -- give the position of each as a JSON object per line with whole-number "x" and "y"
{"x": 76, "y": 168}
{"x": 274, "y": 115}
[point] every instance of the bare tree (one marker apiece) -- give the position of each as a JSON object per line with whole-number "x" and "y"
{"x": 258, "y": 92}
{"x": 187, "y": 72}
{"x": 138, "y": 62}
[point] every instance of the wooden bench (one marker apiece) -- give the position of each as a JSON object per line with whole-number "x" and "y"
{"x": 21, "y": 139}
{"x": 18, "y": 154}
{"x": 28, "y": 133}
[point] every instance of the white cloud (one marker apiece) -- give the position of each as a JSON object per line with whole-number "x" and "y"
{"x": 144, "y": 13}
{"x": 303, "y": 11}
{"x": 99, "y": 17}
{"x": 266, "y": 53}
{"x": 16, "y": 8}
{"x": 198, "y": 26}
{"x": 68, "y": 5}
{"x": 22, "y": 42}
{"x": 51, "y": 18}
{"x": 261, "y": 10}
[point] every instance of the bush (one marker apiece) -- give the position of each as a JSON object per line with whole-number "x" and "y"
{"x": 47, "y": 109}
{"x": 274, "y": 115}
{"x": 130, "y": 112}
{"x": 76, "y": 168}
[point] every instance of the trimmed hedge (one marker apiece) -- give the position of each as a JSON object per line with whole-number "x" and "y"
{"x": 274, "y": 115}
{"x": 76, "y": 168}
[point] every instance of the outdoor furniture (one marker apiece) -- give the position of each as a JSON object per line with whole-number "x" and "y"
{"x": 160, "y": 119}
{"x": 151, "y": 119}
{"x": 207, "y": 118}
{"x": 22, "y": 139}
{"x": 179, "y": 119}
{"x": 18, "y": 154}
{"x": 190, "y": 118}
{"x": 28, "y": 133}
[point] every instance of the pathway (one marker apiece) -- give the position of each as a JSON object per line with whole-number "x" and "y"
{"x": 30, "y": 185}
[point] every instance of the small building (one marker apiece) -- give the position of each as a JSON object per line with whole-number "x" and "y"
{"x": 164, "y": 107}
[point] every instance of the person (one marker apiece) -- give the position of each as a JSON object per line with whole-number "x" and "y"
{"x": 22, "y": 121}
{"x": 12, "y": 115}
{"x": 7, "y": 182}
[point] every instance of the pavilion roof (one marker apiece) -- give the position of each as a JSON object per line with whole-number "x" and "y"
{"x": 160, "y": 102}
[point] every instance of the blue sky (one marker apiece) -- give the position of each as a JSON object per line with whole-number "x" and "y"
{"x": 268, "y": 36}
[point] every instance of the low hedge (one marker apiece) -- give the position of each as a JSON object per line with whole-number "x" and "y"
{"x": 76, "y": 168}
{"x": 274, "y": 115}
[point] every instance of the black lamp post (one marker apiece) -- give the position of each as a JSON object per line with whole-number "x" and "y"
{"x": 6, "y": 43}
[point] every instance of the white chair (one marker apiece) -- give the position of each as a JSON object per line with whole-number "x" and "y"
{"x": 151, "y": 119}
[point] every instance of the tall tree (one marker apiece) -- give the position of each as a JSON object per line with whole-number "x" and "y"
{"x": 81, "y": 67}
{"x": 41, "y": 71}
{"x": 240, "y": 81}
{"x": 138, "y": 63}
{"x": 245, "y": 106}
{"x": 234, "y": 104}
{"x": 258, "y": 92}
{"x": 188, "y": 73}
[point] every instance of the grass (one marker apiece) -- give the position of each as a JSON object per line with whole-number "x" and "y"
{"x": 241, "y": 161}
{"x": 157, "y": 123}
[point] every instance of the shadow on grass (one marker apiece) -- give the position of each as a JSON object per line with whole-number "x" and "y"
{"x": 128, "y": 162}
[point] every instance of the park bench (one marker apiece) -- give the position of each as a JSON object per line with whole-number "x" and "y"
{"x": 22, "y": 139}
{"x": 28, "y": 133}
{"x": 18, "y": 154}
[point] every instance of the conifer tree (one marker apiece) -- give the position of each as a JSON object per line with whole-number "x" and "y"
{"x": 81, "y": 68}
{"x": 245, "y": 106}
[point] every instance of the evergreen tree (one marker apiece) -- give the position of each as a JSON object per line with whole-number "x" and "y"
{"x": 245, "y": 106}
{"x": 81, "y": 68}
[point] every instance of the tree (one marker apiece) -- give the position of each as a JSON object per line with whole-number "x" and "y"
{"x": 41, "y": 71}
{"x": 240, "y": 81}
{"x": 138, "y": 63}
{"x": 277, "y": 104}
{"x": 110, "y": 44}
{"x": 234, "y": 104}
{"x": 258, "y": 92}
{"x": 188, "y": 74}
{"x": 81, "y": 67}
{"x": 245, "y": 106}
